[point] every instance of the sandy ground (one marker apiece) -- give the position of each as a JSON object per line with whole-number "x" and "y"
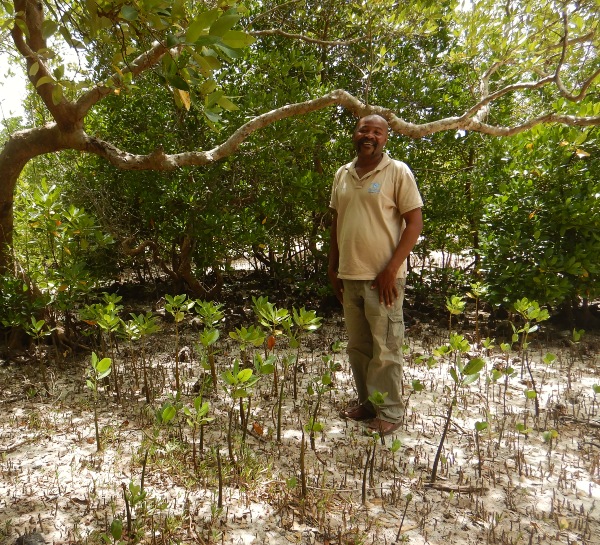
{"x": 524, "y": 479}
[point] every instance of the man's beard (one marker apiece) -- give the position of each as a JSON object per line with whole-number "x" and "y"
{"x": 360, "y": 143}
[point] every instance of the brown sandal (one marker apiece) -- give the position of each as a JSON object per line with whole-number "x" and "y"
{"x": 382, "y": 427}
{"x": 357, "y": 412}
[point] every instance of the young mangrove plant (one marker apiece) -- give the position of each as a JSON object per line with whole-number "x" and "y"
{"x": 247, "y": 337}
{"x": 238, "y": 384}
{"x": 478, "y": 290}
{"x": 531, "y": 312}
{"x": 377, "y": 400}
{"x": 317, "y": 386}
{"x": 136, "y": 329}
{"x": 38, "y": 330}
{"x": 276, "y": 320}
{"x": 505, "y": 370}
{"x": 304, "y": 321}
{"x": 178, "y": 306}
{"x": 462, "y": 375}
{"x": 197, "y": 417}
{"x": 455, "y": 306}
{"x": 106, "y": 317}
{"x": 480, "y": 426}
{"x": 100, "y": 368}
{"x": 208, "y": 338}
{"x": 210, "y": 314}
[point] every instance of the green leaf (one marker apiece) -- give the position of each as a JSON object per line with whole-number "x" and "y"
{"x": 480, "y": 426}
{"x": 267, "y": 369}
{"x": 223, "y": 24}
{"x": 226, "y": 104}
{"x": 209, "y": 337}
{"x": 57, "y": 94}
{"x": 48, "y": 28}
{"x": 474, "y": 366}
{"x": 530, "y": 394}
{"x": 129, "y": 13}
{"x": 228, "y": 377}
{"x": 201, "y": 24}
{"x": 469, "y": 379}
{"x": 213, "y": 98}
{"x": 103, "y": 365}
{"x": 208, "y": 87}
{"x": 549, "y": 358}
{"x": 417, "y": 385}
{"x": 116, "y": 529}
{"x": 244, "y": 375}
{"x": 168, "y": 414}
{"x": 240, "y": 392}
{"x": 237, "y": 39}
{"x": 43, "y": 80}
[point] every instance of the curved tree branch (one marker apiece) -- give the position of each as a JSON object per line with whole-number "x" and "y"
{"x": 158, "y": 160}
{"x": 301, "y": 37}
{"x": 30, "y": 17}
{"x": 139, "y": 65}
{"x": 563, "y": 55}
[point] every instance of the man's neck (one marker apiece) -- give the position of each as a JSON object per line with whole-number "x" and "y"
{"x": 368, "y": 163}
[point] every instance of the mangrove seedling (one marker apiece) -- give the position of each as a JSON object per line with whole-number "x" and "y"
{"x": 100, "y": 368}
{"x": 455, "y": 306}
{"x": 478, "y": 290}
{"x": 304, "y": 320}
{"x": 317, "y": 386}
{"x": 238, "y": 384}
{"x": 276, "y": 320}
{"x": 38, "y": 330}
{"x": 479, "y": 427}
{"x": 178, "y": 306}
{"x": 197, "y": 417}
{"x": 531, "y": 312}
{"x": 377, "y": 400}
{"x": 247, "y": 337}
{"x": 462, "y": 375}
{"x": 140, "y": 326}
{"x": 208, "y": 337}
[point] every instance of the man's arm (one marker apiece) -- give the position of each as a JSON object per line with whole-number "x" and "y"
{"x": 385, "y": 281}
{"x": 334, "y": 261}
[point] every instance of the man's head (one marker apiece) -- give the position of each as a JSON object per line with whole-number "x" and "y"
{"x": 370, "y": 135}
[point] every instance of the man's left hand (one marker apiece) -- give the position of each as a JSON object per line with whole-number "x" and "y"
{"x": 385, "y": 282}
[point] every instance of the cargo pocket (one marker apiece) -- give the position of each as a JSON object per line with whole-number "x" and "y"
{"x": 395, "y": 332}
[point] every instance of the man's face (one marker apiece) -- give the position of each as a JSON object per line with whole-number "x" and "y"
{"x": 370, "y": 136}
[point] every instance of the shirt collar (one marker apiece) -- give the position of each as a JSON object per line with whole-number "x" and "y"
{"x": 385, "y": 161}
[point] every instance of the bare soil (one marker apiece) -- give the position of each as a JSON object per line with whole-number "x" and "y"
{"x": 525, "y": 479}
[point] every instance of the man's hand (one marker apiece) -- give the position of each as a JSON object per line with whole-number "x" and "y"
{"x": 337, "y": 284}
{"x": 385, "y": 282}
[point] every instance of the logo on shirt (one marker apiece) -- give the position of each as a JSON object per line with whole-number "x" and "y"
{"x": 375, "y": 188}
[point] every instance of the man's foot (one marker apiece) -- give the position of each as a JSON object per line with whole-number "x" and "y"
{"x": 357, "y": 412}
{"x": 382, "y": 427}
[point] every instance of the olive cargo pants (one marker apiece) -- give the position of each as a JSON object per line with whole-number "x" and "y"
{"x": 375, "y": 338}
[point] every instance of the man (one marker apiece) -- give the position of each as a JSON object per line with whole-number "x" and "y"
{"x": 377, "y": 221}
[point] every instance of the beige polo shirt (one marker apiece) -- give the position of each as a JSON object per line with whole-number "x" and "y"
{"x": 369, "y": 216}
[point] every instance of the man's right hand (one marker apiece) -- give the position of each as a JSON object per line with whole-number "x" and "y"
{"x": 337, "y": 284}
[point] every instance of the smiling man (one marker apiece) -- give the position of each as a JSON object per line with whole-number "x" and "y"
{"x": 377, "y": 221}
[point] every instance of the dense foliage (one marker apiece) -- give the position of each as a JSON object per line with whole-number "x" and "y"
{"x": 519, "y": 215}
